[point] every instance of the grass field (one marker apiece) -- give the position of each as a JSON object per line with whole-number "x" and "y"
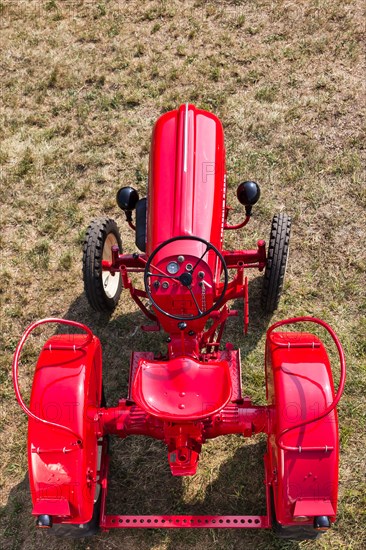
{"x": 82, "y": 83}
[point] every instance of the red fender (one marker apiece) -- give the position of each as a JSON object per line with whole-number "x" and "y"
{"x": 66, "y": 388}
{"x": 303, "y": 461}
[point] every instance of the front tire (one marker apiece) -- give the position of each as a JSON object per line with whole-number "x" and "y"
{"x": 277, "y": 258}
{"x": 102, "y": 289}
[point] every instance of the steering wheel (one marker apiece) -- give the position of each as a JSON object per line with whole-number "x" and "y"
{"x": 185, "y": 279}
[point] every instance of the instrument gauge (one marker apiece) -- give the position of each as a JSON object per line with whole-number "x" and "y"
{"x": 172, "y": 268}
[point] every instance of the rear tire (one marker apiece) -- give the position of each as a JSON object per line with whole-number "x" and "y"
{"x": 89, "y": 529}
{"x": 102, "y": 289}
{"x": 277, "y": 258}
{"x": 296, "y": 532}
{"x": 293, "y": 532}
{"x": 75, "y": 531}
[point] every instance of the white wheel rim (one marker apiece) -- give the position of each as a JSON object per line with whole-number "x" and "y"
{"x": 110, "y": 282}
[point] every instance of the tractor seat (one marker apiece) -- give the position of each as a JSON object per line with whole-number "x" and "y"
{"x": 182, "y": 388}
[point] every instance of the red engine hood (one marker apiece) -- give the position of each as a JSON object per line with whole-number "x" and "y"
{"x": 187, "y": 183}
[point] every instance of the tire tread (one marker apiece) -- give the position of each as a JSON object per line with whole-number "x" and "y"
{"x": 95, "y": 237}
{"x": 276, "y": 262}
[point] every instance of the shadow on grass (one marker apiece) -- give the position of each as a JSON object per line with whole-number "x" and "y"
{"x": 258, "y": 320}
{"x": 140, "y": 481}
{"x": 121, "y": 335}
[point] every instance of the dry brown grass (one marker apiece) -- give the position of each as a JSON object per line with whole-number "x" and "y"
{"x": 82, "y": 83}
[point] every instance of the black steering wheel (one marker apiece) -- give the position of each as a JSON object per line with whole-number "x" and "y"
{"x": 185, "y": 278}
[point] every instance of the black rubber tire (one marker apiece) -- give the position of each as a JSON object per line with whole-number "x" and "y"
{"x": 293, "y": 532}
{"x": 75, "y": 531}
{"x": 277, "y": 257}
{"x": 93, "y": 254}
{"x": 296, "y": 532}
{"x": 141, "y": 213}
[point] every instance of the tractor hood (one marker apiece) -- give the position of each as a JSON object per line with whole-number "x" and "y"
{"x": 187, "y": 182}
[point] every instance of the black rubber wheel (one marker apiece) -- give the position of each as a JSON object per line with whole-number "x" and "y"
{"x": 296, "y": 532}
{"x": 293, "y": 532}
{"x": 277, "y": 257}
{"x": 75, "y": 531}
{"x": 102, "y": 289}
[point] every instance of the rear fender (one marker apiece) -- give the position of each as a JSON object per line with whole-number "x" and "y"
{"x": 303, "y": 461}
{"x": 66, "y": 387}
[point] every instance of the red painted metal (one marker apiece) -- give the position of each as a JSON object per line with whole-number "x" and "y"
{"x": 238, "y": 225}
{"x": 186, "y": 177}
{"x": 313, "y": 507}
{"x": 74, "y": 344}
{"x": 246, "y": 305}
{"x": 185, "y": 437}
{"x": 230, "y": 356}
{"x": 303, "y": 445}
{"x": 313, "y": 343}
{"x": 62, "y": 456}
{"x": 58, "y": 507}
{"x": 193, "y": 393}
{"x": 113, "y": 521}
{"x": 129, "y": 419}
{"x": 190, "y": 522}
{"x": 238, "y": 258}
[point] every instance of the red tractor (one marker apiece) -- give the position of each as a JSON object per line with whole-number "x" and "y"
{"x": 193, "y": 392}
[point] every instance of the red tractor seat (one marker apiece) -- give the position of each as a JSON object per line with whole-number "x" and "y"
{"x": 182, "y": 388}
